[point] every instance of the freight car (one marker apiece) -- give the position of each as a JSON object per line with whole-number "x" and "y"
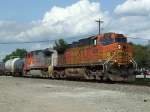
{"x": 14, "y": 67}
{"x": 102, "y": 57}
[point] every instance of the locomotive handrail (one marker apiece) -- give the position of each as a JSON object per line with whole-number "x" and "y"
{"x": 107, "y": 61}
{"x": 134, "y": 63}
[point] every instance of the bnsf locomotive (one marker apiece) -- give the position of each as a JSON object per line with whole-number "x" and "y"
{"x": 102, "y": 57}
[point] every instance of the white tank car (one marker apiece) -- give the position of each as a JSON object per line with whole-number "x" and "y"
{"x": 14, "y": 66}
{"x": 2, "y": 68}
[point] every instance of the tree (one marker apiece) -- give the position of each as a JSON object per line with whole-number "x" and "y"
{"x": 20, "y": 53}
{"x": 142, "y": 55}
{"x": 60, "y": 46}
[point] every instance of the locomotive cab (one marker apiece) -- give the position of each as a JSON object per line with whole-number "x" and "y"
{"x": 123, "y": 51}
{"x": 117, "y": 54}
{"x": 115, "y": 48}
{"x": 38, "y": 62}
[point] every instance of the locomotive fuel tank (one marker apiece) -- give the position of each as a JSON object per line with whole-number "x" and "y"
{"x": 14, "y": 66}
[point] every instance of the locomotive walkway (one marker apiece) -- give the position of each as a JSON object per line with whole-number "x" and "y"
{"x": 43, "y": 95}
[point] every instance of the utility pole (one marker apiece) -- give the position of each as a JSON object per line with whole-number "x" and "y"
{"x": 99, "y": 22}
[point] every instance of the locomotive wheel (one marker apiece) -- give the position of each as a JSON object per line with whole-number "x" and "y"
{"x": 55, "y": 75}
{"x": 24, "y": 73}
{"x": 89, "y": 76}
{"x": 44, "y": 74}
{"x": 106, "y": 77}
{"x": 16, "y": 74}
{"x": 98, "y": 77}
{"x": 52, "y": 76}
{"x": 86, "y": 75}
{"x": 62, "y": 74}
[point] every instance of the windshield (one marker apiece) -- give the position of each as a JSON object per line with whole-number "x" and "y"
{"x": 123, "y": 40}
{"x": 106, "y": 41}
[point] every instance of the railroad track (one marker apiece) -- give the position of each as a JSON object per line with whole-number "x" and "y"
{"x": 138, "y": 82}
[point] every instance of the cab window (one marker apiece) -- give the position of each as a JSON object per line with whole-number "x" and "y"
{"x": 106, "y": 41}
{"x": 95, "y": 42}
{"x": 121, "y": 40}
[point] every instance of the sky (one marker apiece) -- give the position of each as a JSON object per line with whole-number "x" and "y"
{"x": 30, "y": 10}
{"x": 33, "y": 20}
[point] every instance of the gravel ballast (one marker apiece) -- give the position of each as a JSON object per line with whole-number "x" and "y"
{"x": 43, "y": 95}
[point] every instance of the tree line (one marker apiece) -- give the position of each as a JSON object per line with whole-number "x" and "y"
{"x": 142, "y": 55}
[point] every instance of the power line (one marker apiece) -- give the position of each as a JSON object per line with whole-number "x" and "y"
{"x": 28, "y": 42}
{"x": 41, "y": 41}
{"x": 138, "y": 38}
{"x": 50, "y": 41}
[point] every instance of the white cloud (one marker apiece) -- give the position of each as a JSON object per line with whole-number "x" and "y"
{"x": 76, "y": 19}
{"x": 79, "y": 19}
{"x": 40, "y": 46}
{"x": 9, "y": 30}
{"x": 133, "y": 18}
{"x": 134, "y": 7}
{"x": 71, "y": 21}
{"x": 59, "y": 22}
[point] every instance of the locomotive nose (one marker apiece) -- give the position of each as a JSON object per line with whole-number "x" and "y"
{"x": 122, "y": 54}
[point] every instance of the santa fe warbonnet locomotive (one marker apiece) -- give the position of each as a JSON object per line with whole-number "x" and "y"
{"x": 102, "y": 57}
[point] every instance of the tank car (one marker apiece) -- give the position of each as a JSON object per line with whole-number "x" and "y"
{"x": 14, "y": 67}
{"x": 2, "y": 68}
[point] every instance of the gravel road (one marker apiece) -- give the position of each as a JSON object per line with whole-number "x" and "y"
{"x": 43, "y": 95}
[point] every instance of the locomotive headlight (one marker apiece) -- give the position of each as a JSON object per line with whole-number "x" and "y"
{"x": 119, "y": 46}
{"x": 130, "y": 60}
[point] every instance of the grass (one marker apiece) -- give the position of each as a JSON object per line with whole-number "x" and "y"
{"x": 142, "y": 81}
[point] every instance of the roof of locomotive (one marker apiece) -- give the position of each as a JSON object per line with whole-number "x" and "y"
{"x": 42, "y": 50}
{"x": 111, "y": 34}
{"x": 87, "y": 41}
